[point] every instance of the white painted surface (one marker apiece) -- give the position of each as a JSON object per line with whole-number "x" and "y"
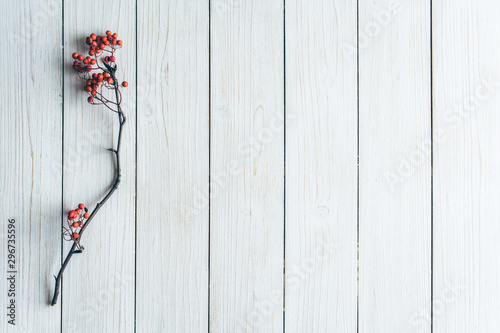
{"x": 30, "y": 161}
{"x": 394, "y": 204}
{"x": 321, "y": 171}
{"x": 172, "y": 168}
{"x": 246, "y": 215}
{"x": 466, "y": 176}
{"x": 275, "y": 247}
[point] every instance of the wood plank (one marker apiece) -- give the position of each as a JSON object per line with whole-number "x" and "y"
{"x": 31, "y": 160}
{"x": 98, "y": 286}
{"x": 321, "y": 166}
{"x": 466, "y": 179}
{"x": 395, "y": 167}
{"x": 247, "y": 138}
{"x": 173, "y": 169}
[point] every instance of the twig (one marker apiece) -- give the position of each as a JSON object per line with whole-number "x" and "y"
{"x": 122, "y": 119}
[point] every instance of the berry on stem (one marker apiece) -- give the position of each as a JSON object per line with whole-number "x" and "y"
{"x": 95, "y": 69}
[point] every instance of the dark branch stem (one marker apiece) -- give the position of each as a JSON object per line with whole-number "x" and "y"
{"x": 122, "y": 119}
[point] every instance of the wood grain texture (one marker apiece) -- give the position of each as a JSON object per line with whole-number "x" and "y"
{"x": 173, "y": 169}
{"x": 98, "y": 286}
{"x": 321, "y": 166}
{"x": 30, "y": 173}
{"x": 394, "y": 172}
{"x": 247, "y": 226}
{"x": 220, "y": 246}
{"x": 466, "y": 158}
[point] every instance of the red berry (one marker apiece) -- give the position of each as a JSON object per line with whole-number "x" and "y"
{"x": 120, "y": 42}
{"x": 115, "y": 35}
{"x": 72, "y": 214}
{"x": 87, "y": 89}
{"x": 92, "y": 62}
{"x": 76, "y": 235}
{"x": 93, "y": 36}
{"x": 112, "y": 58}
{"x": 108, "y": 32}
{"x": 87, "y": 215}
{"x": 113, "y": 42}
{"x": 106, "y": 74}
{"x": 76, "y": 224}
{"x": 75, "y": 55}
{"x": 90, "y": 99}
{"x": 125, "y": 84}
{"x": 110, "y": 80}
{"x": 81, "y": 206}
{"x": 80, "y": 57}
{"x": 102, "y": 46}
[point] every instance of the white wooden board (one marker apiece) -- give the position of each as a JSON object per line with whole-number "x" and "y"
{"x": 98, "y": 285}
{"x": 172, "y": 166}
{"x": 394, "y": 172}
{"x": 321, "y": 166}
{"x": 30, "y": 162}
{"x": 466, "y": 177}
{"x": 247, "y": 167}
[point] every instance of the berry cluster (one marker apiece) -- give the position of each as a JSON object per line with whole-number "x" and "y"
{"x": 104, "y": 68}
{"x": 76, "y": 219}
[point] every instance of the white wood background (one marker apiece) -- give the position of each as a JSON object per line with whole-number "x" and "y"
{"x": 288, "y": 165}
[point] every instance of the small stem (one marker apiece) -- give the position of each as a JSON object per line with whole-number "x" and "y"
{"x": 122, "y": 119}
